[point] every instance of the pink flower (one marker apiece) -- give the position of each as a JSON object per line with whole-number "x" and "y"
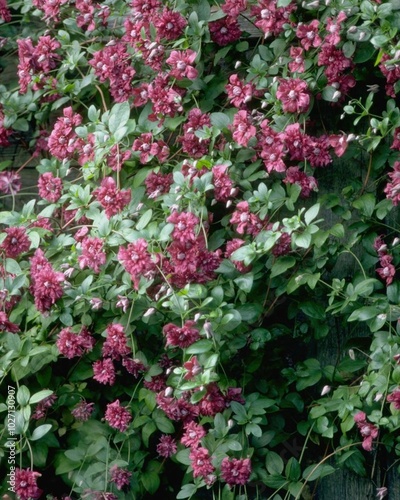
{"x": 25, "y": 484}
{"x": 181, "y": 64}
{"x": 10, "y": 182}
{"x": 166, "y": 446}
{"x": 104, "y": 371}
{"x": 62, "y": 138}
{"x": 83, "y": 411}
{"x": 5, "y": 14}
{"x": 93, "y": 255}
{"x": 133, "y": 366}
{"x": 242, "y": 128}
{"x": 6, "y": 325}
{"x": 225, "y": 30}
{"x": 201, "y": 462}
{"x": 117, "y": 416}
{"x": 111, "y": 198}
{"x": 120, "y": 477}
{"x": 136, "y": 260}
{"x": 297, "y": 63}
{"x": 50, "y": 187}
{"x": 181, "y": 337}
{"x": 170, "y": 24}
{"x": 213, "y": 402}
{"x": 308, "y": 34}
{"x": 392, "y": 189}
{"x": 223, "y": 184}
{"x": 248, "y": 223}
{"x": 45, "y": 282}
{"x": 193, "y": 368}
{"x": 73, "y": 345}
{"x": 234, "y": 7}
{"x": 368, "y": 431}
{"x": 239, "y": 92}
{"x": 116, "y": 344}
{"x": 43, "y": 406}
{"x": 184, "y": 226}
{"x": 333, "y": 27}
{"x": 294, "y": 95}
{"x": 158, "y": 184}
{"x": 231, "y": 246}
{"x": 394, "y": 398}
{"x": 16, "y": 242}
{"x": 307, "y": 183}
{"x": 235, "y": 471}
{"x": 193, "y": 434}
{"x": 387, "y": 271}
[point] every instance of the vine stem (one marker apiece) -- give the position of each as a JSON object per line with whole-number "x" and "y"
{"x": 298, "y": 496}
{"x": 368, "y": 174}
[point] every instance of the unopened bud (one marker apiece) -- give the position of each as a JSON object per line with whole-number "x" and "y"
{"x": 238, "y": 64}
{"x": 196, "y": 317}
{"x": 247, "y": 98}
{"x": 395, "y": 242}
{"x": 168, "y": 392}
{"x": 336, "y": 95}
{"x": 351, "y": 354}
{"x": 325, "y": 390}
{"x": 213, "y": 202}
{"x": 352, "y": 29}
{"x": 378, "y": 397}
{"x": 208, "y": 329}
{"x": 228, "y": 203}
{"x": 231, "y": 423}
{"x": 149, "y": 312}
{"x": 96, "y": 303}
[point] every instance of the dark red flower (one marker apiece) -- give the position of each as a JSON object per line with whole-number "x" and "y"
{"x": 166, "y": 446}
{"x": 25, "y": 484}
{"x": 368, "y": 431}
{"x": 6, "y": 325}
{"x": 118, "y": 416}
{"x": 120, "y": 477}
{"x": 16, "y": 242}
{"x": 235, "y": 471}
{"x": 181, "y": 337}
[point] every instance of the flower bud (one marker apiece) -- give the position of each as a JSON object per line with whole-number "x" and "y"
{"x": 325, "y": 390}
{"x": 168, "y": 392}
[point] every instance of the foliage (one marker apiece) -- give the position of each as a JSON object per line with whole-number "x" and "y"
{"x": 163, "y": 295}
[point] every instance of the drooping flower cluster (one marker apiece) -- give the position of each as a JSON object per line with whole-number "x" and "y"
{"x": 387, "y": 269}
{"x": 112, "y": 199}
{"x": 368, "y": 431}
{"x": 73, "y": 345}
{"x": 45, "y": 282}
{"x": 120, "y": 477}
{"x": 35, "y": 63}
{"x": 50, "y": 187}
{"x": 93, "y": 255}
{"x": 26, "y": 484}
{"x": 62, "y": 138}
{"x": 43, "y": 406}
{"x": 181, "y": 337}
{"x": 83, "y": 411}
{"x": 16, "y": 242}
{"x": 117, "y": 416}
{"x": 136, "y": 260}
{"x": 235, "y": 471}
{"x": 166, "y": 446}
{"x": 392, "y": 189}
{"x": 116, "y": 345}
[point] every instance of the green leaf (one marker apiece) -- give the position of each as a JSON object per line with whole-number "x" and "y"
{"x": 311, "y": 213}
{"x": 317, "y": 471}
{"x": 220, "y": 120}
{"x": 187, "y": 491}
{"x": 366, "y": 204}
{"x": 292, "y": 469}
{"x": 200, "y": 347}
{"x": 40, "y": 431}
{"x": 245, "y": 282}
{"x": 144, "y": 219}
{"x": 39, "y": 396}
{"x": 274, "y": 463}
{"x": 364, "y": 313}
{"x": 23, "y": 395}
{"x": 151, "y": 481}
{"x": 282, "y": 264}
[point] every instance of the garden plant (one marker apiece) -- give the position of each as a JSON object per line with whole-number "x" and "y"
{"x": 164, "y": 291}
